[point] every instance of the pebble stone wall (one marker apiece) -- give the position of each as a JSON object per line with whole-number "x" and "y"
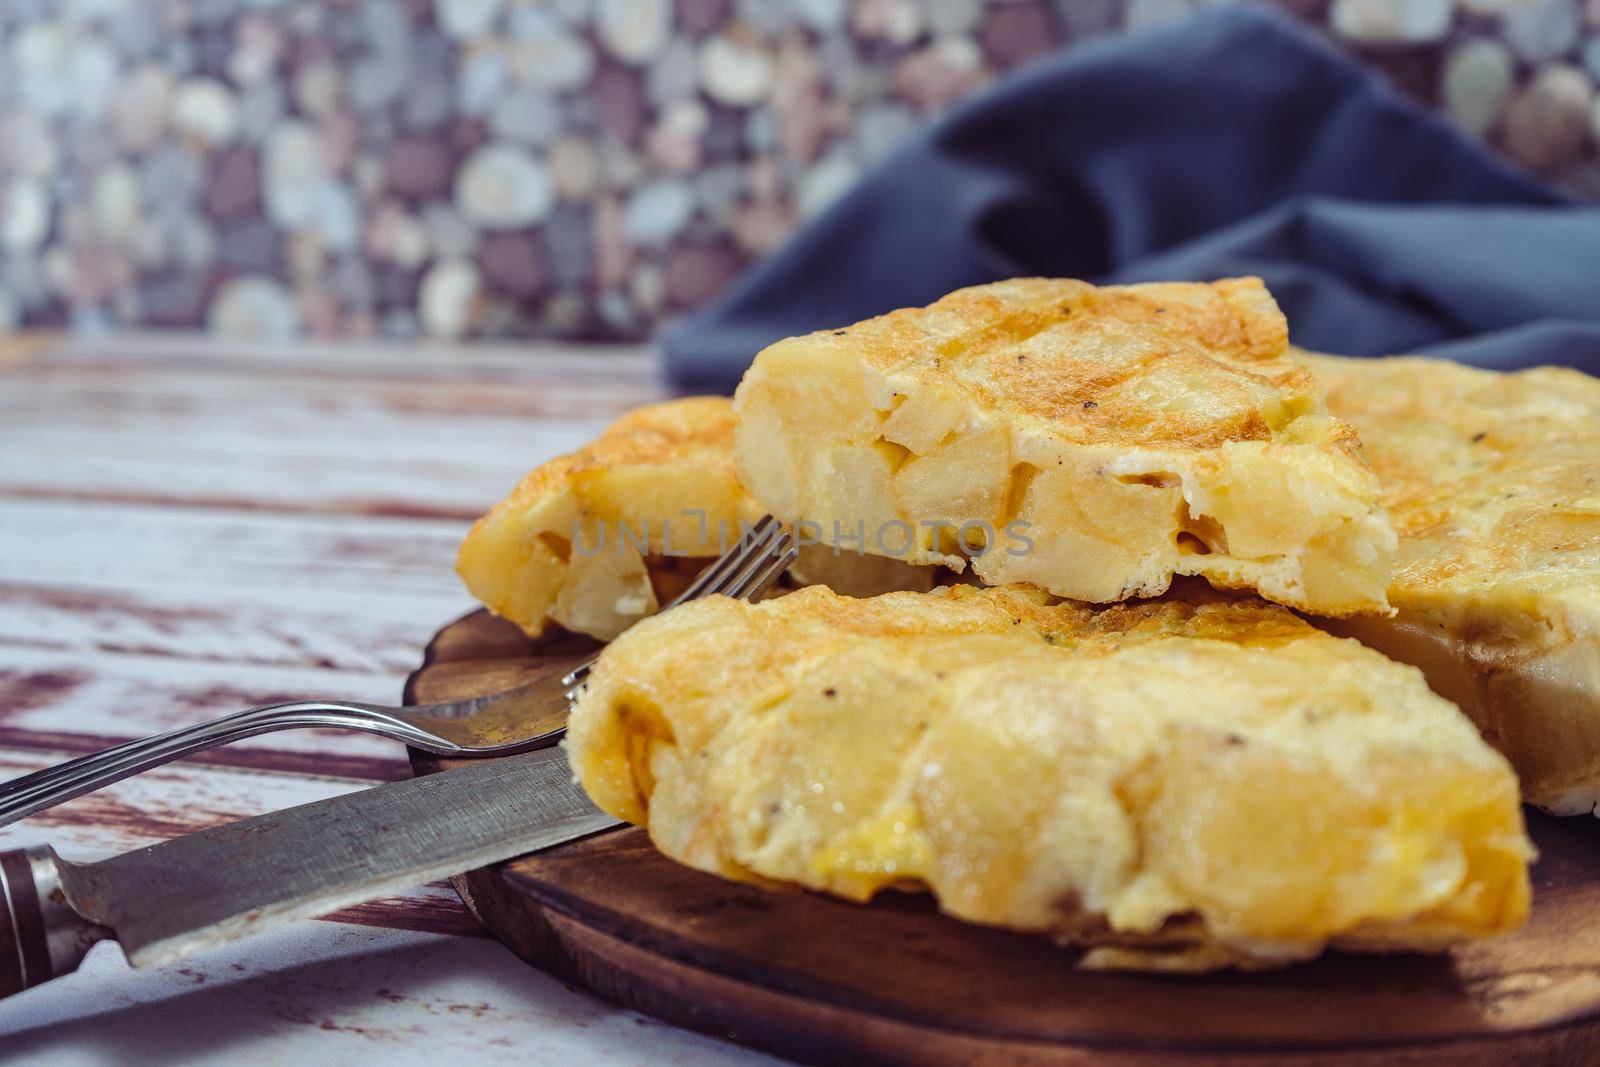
{"x": 569, "y": 168}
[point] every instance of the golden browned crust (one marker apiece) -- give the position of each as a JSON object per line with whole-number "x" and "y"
{"x": 1486, "y": 475}
{"x": 1493, "y": 482}
{"x": 1144, "y": 431}
{"x": 691, "y": 432}
{"x": 664, "y": 472}
{"x": 1175, "y": 364}
{"x": 663, "y": 475}
{"x": 1179, "y": 785}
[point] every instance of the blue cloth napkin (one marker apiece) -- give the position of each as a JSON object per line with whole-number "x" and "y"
{"x": 1232, "y": 143}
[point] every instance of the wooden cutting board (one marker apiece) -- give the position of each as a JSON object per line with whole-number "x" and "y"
{"x": 822, "y": 980}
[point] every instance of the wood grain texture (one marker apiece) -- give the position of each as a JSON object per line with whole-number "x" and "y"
{"x": 188, "y": 528}
{"x": 350, "y": 430}
{"x": 823, "y": 980}
{"x": 189, "y": 525}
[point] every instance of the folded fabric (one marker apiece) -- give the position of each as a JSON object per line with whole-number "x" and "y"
{"x": 1233, "y": 143}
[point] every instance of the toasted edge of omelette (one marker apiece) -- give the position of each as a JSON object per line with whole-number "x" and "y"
{"x": 1492, "y": 480}
{"x": 597, "y": 539}
{"x": 1185, "y": 784}
{"x": 1133, "y": 432}
{"x": 555, "y": 548}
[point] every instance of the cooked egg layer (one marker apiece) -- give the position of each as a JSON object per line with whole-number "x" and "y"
{"x": 1182, "y": 784}
{"x": 1093, "y": 442}
{"x": 1493, "y": 481}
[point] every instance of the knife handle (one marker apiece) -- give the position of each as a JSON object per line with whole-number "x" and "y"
{"x": 41, "y": 935}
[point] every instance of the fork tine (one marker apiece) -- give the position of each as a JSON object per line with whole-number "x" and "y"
{"x": 714, "y": 574}
{"x": 718, "y": 570}
{"x": 746, "y": 570}
{"x": 769, "y": 574}
{"x": 749, "y": 562}
{"x": 757, "y": 563}
{"x": 763, "y": 569}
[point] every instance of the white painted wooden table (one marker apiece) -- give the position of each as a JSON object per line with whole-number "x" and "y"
{"x": 189, "y": 527}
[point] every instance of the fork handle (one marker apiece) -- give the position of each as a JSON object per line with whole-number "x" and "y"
{"x": 46, "y": 788}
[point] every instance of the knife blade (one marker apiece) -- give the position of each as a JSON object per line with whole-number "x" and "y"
{"x": 183, "y": 895}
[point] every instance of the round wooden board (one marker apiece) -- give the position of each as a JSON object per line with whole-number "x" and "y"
{"x": 822, "y": 980}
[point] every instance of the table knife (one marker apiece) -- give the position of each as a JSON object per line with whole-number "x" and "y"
{"x": 202, "y": 889}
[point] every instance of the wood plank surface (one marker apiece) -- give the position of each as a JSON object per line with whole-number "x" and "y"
{"x": 188, "y": 527}
{"x": 172, "y": 549}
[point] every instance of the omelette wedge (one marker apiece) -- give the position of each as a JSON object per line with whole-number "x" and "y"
{"x": 1493, "y": 482}
{"x": 1095, "y": 442}
{"x": 1185, "y": 784}
{"x": 599, "y": 538}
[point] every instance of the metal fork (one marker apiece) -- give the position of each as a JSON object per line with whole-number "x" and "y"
{"x": 529, "y": 716}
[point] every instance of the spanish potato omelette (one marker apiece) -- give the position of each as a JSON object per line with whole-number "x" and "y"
{"x": 1183, "y": 784}
{"x": 1493, "y": 482}
{"x": 1093, "y": 442}
{"x": 599, "y": 538}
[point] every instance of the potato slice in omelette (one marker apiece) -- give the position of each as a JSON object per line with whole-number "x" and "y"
{"x": 1183, "y": 784}
{"x": 1493, "y": 481}
{"x": 1128, "y": 434}
{"x": 597, "y": 539}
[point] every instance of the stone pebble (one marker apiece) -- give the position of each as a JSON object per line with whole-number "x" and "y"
{"x": 460, "y": 168}
{"x": 1548, "y": 122}
{"x": 1478, "y": 78}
